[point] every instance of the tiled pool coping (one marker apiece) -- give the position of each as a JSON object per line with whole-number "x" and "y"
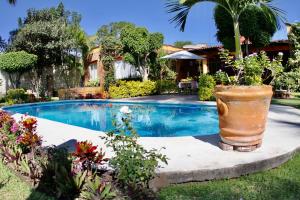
{"x": 198, "y": 158}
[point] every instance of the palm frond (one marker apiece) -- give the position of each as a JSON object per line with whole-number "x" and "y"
{"x": 12, "y": 2}
{"x": 181, "y": 11}
{"x": 276, "y": 15}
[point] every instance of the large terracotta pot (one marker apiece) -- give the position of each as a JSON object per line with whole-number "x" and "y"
{"x": 243, "y": 113}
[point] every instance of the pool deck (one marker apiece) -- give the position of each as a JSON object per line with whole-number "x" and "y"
{"x": 198, "y": 158}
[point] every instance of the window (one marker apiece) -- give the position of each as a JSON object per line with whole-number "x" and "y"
{"x": 93, "y": 71}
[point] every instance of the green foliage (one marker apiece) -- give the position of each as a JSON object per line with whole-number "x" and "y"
{"x": 255, "y": 26}
{"x": 141, "y": 48}
{"x": 253, "y": 69}
{"x": 288, "y": 81}
{"x": 180, "y": 44}
{"x": 166, "y": 86}
{"x": 235, "y": 9}
{"x": 160, "y": 68}
{"x": 221, "y": 78}
{"x": 20, "y": 61}
{"x": 93, "y": 83}
{"x": 54, "y": 35}
{"x": 96, "y": 189}
{"x": 135, "y": 166}
{"x": 125, "y": 89}
{"x": 206, "y": 87}
{"x": 16, "y": 95}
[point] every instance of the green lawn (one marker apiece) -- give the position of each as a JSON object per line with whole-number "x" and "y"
{"x": 12, "y": 188}
{"x": 282, "y": 183}
{"x": 295, "y": 101}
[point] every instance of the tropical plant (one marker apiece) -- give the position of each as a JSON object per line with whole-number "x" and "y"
{"x": 87, "y": 157}
{"x": 15, "y": 64}
{"x": 255, "y": 27}
{"x": 12, "y": 2}
{"x": 95, "y": 189}
{"x": 234, "y": 7}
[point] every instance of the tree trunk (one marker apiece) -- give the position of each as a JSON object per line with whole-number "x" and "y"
{"x": 146, "y": 74}
{"x": 12, "y": 81}
{"x": 237, "y": 38}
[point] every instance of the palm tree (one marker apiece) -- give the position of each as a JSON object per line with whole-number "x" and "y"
{"x": 12, "y": 2}
{"x": 233, "y": 7}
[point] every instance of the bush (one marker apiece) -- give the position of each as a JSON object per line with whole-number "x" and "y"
{"x": 206, "y": 87}
{"x": 134, "y": 165}
{"x": 16, "y": 96}
{"x": 93, "y": 83}
{"x": 125, "y": 89}
{"x": 166, "y": 86}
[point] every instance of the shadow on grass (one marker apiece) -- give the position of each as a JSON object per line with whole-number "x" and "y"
{"x": 4, "y": 182}
{"x": 56, "y": 181}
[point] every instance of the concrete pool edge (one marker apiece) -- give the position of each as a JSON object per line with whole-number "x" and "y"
{"x": 165, "y": 179}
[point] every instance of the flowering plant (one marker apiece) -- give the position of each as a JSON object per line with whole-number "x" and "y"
{"x": 86, "y": 156}
{"x": 28, "y": 139}
{"x": 254, "y": 69}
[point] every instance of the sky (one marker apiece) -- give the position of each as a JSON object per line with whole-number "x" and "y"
{"x": 200, "y": 26}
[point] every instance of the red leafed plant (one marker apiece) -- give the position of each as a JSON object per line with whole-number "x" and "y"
{"x": 87, "y": 155}
{"x": 29, "y": 139}
{"x": 29, "y": 123}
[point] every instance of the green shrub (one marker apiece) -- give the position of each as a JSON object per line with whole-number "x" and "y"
{"x": 221, "y": 78}
{"x": 16, "y": 96}
{"x": 206, "y": 87}
{"x": 134, "y": 165}
{"x": 93, "y": 83}
{"x": 125, "y": 89}
{"x": 166, "y": 86}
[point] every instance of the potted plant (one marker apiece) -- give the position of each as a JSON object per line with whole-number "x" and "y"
{"x": 243, "y": 100}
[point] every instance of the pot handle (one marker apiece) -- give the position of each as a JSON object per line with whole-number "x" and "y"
{"x": 222, "y": 108}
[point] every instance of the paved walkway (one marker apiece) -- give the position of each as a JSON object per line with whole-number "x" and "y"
{"x": 199, "y": 158}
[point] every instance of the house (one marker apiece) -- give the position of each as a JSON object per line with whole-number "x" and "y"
{"x": 212, "y": 63}
{"x": 94, "y": 71}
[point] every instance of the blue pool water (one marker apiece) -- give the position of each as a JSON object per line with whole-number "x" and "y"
{"x": 149, "y": 119}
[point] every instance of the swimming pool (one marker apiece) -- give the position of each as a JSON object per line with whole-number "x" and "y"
{"x": 149, "y": 119}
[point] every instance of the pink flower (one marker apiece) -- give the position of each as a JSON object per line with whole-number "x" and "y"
{"x": 14, "y": 128}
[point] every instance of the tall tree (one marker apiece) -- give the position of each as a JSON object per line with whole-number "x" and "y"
{"x": 235, "y": 8}
{"x": 51, "y": 35}
{"x": 139, "y": 45}
{"x": 255, "y": 27}
{"x": 108, "y": 38}
{"x": 180, "y": 44}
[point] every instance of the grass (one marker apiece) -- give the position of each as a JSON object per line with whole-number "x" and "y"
{"x": 294, "y": 101}
{"x": 282, "y": 183}
{"x": 13, "y": 188}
